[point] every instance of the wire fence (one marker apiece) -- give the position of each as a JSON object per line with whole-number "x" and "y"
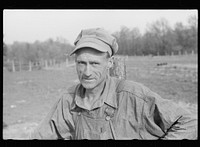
{"x": 14, "y": 66}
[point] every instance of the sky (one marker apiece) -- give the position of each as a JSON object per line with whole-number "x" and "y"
{"x": 31, "y": 25}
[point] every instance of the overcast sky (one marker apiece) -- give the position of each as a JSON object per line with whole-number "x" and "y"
{"x": 32, "y": 25}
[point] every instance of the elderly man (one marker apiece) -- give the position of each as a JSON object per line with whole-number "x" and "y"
{"x": 104, "y": 107}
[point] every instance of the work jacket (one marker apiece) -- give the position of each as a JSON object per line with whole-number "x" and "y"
{"x": 125, "y": 110}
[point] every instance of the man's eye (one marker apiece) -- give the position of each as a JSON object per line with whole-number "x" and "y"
{"x": 79, "y": 62}
{"x": 95, "y": 63}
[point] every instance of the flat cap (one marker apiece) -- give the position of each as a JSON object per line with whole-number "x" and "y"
{"x": 96, "y": 38}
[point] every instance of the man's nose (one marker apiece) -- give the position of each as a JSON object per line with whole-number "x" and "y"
{"x": 87, "y": 71}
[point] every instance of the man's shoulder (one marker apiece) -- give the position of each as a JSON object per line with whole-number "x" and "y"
{"x": 68, "y": 93}
{"x": 133, "y": 87}
{"x": 72, "y": 89}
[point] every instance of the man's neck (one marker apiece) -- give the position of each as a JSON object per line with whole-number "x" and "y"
{"x": 93, "y": 94}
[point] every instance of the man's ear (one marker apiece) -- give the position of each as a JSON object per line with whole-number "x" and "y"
{"x": 110, "y": 62}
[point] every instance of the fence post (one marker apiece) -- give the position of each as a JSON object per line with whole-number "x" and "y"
{"x": 54, "y": 62}
{"x": 13, "y": 66}
{"x": 46, "y": 64}
{"x": 50, "y": 62}
{"x": 42, "y": 63}
{"x": 186, "y": 53}
{"x": 119, "y": 68}
{"x": 20, "y": 66}
{"x": 179, "y": 52}
{"x": 30, "y": 66}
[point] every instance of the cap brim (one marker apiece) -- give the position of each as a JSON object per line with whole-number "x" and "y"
{"x": 97, "y": 45}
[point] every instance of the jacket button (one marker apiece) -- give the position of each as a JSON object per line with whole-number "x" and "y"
{"x": 79, "y": 113}
{"x": 107, "y": 117}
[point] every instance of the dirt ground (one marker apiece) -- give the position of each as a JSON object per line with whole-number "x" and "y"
{"x": 28, "y": 96}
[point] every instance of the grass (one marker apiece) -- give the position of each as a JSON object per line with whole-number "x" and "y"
{"x": 179, "y": 84}
{"x": 28, "y": 96}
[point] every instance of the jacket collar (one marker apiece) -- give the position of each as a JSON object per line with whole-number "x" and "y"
{"x": 108, "y": 96}
{"x": 111, "y": 98}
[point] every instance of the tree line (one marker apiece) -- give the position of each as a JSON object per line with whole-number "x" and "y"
{"x": 159, "y": 39}
{"x": 47, "y": 50}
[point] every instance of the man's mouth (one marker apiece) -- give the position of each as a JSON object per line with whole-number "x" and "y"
{"x": 88, "y": 80}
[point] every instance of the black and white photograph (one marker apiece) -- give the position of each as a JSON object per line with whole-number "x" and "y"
{"x": 100, "y": 74}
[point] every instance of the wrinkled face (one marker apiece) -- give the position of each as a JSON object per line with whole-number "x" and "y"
{"x": 92, "y": 67}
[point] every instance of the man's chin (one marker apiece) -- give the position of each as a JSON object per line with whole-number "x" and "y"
{"x": 88, "y": 86}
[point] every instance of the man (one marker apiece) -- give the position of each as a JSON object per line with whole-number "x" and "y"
{"x": 104, "y": 107}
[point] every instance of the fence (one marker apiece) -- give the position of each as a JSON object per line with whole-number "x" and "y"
{"x": 118, "y": 70}
{"x": 14, "y": 66}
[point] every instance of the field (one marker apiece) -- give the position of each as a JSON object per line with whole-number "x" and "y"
{"x": 28, "y": 96}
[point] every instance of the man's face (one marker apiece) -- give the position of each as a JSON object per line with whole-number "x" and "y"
{"x": 92, "y": 67}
